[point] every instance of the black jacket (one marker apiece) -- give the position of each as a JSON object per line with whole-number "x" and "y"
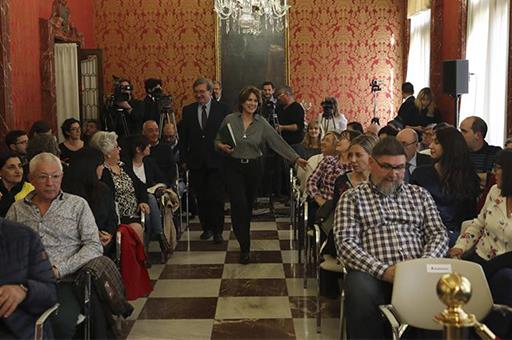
{"x": 422, "y": 159}
{"x": 164, "y": 158}
{"x": 409, "y": 114}
{"x": 197, "y": 146}
{"x": 23, "y": 260}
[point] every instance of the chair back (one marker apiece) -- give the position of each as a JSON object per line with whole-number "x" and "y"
{"x": 414, "y": 290}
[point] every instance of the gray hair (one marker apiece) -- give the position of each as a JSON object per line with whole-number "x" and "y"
{"x": 199, "y": 81}
{"x": 146, "y": 123}
{"x": 104, "y": 141}
{"x": 43, "y": 157}
{"x": 286, "y": 90}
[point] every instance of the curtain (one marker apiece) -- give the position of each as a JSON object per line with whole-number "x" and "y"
{"x": 487, "y": 52}
{"x": 418, "y": 62}
{"x": 66, "y": 83}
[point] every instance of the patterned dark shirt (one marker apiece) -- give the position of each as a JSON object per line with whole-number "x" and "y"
{"x": 321, "y": 181}
{"x": 124, "y": 193}
{"x": 374, "y": 231}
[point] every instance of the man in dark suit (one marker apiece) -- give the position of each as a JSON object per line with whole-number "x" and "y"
{"x": 408, "y": 113}
{"x": 199, "y": 126}
{"x": 409, "y": 139}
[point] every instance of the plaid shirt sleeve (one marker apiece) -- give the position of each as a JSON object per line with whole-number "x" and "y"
{"x": 312, "y": 186}
{"x": 347, "y": 233}
{"x": 436, "y": 236}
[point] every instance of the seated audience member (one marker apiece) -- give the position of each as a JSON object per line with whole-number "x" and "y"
{"x": 487, "y": 240}
{"x": 387, "y": 131}
{"x": 312, "y": 140}
{"x": 409, "y": 139}
{"x": 508, "y": 144}
{"x": 355, "y": 126}
{"x": 81, "y": 178}
{"x": 129, "y": 192}
{"x": 327, "y": 148}
{"x": 331, "y": 119}
{"x": 13, "y": 187}
{"x": 378, "y": 224}
{"x": 320, "y": 186}
{"x": 429, "y": 113}
{"x": 72, "y": 143}
{"x": 451, "y": 180}
{"x": 426, "y": 139}
{"x": 41, "y": 140}
{"x": 67, "y": 229}
{"x": 161, "y": 153}
{"x": 408, "y": 113}
{"x": 474, "y": 130}
{"x": 358, "y": 155}
{"x": 17, "y": 142}
{"x": 27, "y": 284}
{"x": 91, "y": 127}
{"x": 170, "y": 136}
{"x": 148, "y": 173}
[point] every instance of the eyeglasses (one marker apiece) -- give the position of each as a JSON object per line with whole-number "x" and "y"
{"x": 75, "y": 129}
{"x": 389, "y": 167}
{"x": 41, "y": 178}
{"x": 405, "y": 144}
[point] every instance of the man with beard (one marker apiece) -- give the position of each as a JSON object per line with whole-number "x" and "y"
{"x": 378, "y": 224}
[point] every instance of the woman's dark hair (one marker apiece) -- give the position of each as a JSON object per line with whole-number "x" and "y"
{"x": 66, "y": 126}
{"x": 5, "y": 156}
{"x": 244, "y": 95}
{"x": 458, "y": 175}
{"x": 134, "y": 142}
{"x": 504, "y": 159}
{"x": 39, "y": 127}
{"x": 355, "y": 126}
{"x": 80, "y": 177}
{"x": 349, "y": 134}
{"x": 388, "y": 130}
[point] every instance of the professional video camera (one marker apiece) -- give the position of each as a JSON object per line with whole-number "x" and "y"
{"x": 375, "y": 85}
{"x": 115, "y": 119}
{"x": 164, "y": 100}
{"x": 328, "y": 107}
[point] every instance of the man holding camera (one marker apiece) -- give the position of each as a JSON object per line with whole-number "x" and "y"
{"x": 124, "y": 112}
{"x": 330, "y": 118}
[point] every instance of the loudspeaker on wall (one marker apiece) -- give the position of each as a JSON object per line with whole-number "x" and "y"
{"x": 455, "y": 77}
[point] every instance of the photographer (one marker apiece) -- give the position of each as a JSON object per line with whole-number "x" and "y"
{"x": 330, "y": 118}
{"x": 124, "y": 113}
{"x": 157, "y": 104}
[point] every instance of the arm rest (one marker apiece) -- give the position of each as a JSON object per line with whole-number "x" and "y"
{"x": 38, "y": 334}
{"x": 392, "y": 316}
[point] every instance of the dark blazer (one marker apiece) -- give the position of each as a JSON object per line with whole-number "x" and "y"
{"x": 164, "y": 157}
{"x": 23, "y": 260}
{"x": 409, "y": 113}
{"x": 153, "y": 173}
{"x": 422, "y": 159}
{"x": 197, "y": 146}
{"x": 140, "y": 188}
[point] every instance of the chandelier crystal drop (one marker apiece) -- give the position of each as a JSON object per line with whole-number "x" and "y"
{"x": 252, "y": 16}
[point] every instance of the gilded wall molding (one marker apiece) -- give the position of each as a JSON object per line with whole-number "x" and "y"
{"x": 6, "y": 103}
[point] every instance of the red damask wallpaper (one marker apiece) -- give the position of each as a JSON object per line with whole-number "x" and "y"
{"x": 169, "y": 39}
{"x": 336, "y": 49}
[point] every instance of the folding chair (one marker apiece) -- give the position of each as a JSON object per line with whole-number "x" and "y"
{"x": 409, "y": 307}
{"x": 40, "y": 322}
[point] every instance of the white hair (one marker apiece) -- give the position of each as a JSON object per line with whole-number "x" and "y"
{"x": 43, "y": 157}
{"x": 104, "y": 141}
{"x": 146, "y": 124}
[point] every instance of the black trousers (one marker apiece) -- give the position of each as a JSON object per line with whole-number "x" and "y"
{"x": 242, "y": 183}
{"x": 208, "y": 186}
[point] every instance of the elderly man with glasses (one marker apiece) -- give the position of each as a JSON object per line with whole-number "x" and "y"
{"x": 68, "y": 232}
{"x": 378, "y": 224}
{"x": 409, "y": 139}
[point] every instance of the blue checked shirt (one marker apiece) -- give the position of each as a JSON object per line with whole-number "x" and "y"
{"x": 374, "y": 231}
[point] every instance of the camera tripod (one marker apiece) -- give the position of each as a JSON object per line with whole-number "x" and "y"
{"x": 165, "y": 117}
{"x": 325, "y": 122}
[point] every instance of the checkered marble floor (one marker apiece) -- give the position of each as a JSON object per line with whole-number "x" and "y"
{"x": 205, "y": 293}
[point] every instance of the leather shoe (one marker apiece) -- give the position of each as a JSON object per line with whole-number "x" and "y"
{"x": 244, "y": 258}
{"x": 206, "y": 235}
{"x": 217, "y": 238}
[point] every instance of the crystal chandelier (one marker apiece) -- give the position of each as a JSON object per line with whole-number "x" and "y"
{"x": 252, "y": 16}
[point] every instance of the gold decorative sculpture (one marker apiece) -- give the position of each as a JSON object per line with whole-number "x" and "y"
{"x": 454, "y": 290}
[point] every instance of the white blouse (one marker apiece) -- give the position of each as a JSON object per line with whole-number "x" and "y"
{"x": 491, "y": 230}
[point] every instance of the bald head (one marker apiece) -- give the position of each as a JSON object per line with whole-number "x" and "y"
{"x": 409, "y": 139}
